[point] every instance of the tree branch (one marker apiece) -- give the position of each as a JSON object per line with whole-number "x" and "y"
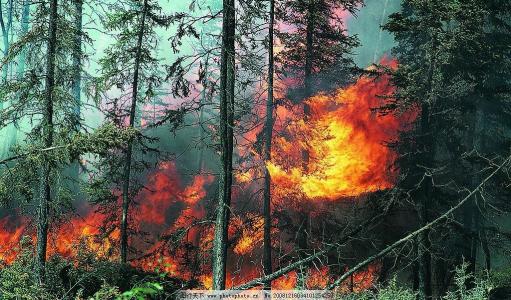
{"x": 3, "y": 161}
{"x": 417, "y": 232}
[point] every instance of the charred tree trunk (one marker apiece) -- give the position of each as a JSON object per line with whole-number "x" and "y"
{"x": 267, "y": 265}
{"x": 129, "y": 152}
{"x": 45, "y": 189}
{"x": 227, "y": 80}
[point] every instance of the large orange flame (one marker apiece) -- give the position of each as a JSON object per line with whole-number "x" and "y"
{"x": 345, "y": 139}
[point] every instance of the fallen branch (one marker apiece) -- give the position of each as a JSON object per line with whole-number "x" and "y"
{"x": 415, "y": 233}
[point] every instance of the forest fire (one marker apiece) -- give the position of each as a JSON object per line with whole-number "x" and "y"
{"x": 346, "y": 143}
{"x": 84, "y": 234}
{"x": 10, "y": 237}
{"x": 155, "y": 147}
{"x": 348, "y": 158}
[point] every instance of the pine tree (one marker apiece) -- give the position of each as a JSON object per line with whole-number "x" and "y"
{"x": 45, "y": 104}
{"x": 443, "y": 73}
{"x": 48, "y": 140}
{"x": 316, "y": 46}
{"x": 132, "y": 66}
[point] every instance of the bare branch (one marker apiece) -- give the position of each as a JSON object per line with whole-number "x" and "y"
{"x": 417, "y": 232}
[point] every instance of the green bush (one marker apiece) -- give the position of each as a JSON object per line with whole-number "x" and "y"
{"x": 17, "y": 281}
{"x": 482, "y": 285}
{"x": 389, "y": 292}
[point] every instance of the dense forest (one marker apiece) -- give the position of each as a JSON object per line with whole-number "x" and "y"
{"x": 153, "y": 146}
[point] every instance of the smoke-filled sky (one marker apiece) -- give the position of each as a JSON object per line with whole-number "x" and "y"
{"x": 366, "y": 25}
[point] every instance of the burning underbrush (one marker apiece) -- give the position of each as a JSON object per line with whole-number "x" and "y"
{"x": 348, "y": 159}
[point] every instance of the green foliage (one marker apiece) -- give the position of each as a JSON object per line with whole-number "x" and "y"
{"x": 501, "y": 277}
{"x": 102, "y": 141}
{"x": 142, "y": 292}
{"x": 330, "y": 63}
{"x": 391, "y": 291}
{"x": 17, "y": 281}
{"x": 480, "y": 290}
{"x": 106, "y": 292}
{"x": 87, "y": 277}
{"x": 17, "y": 182}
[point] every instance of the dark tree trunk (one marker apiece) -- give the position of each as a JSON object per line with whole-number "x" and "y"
{"x": 129, "y": 152}
{"x": 25, "y": 15}
{"x": 45, "y": 190}
{"x": 203, "y": 102}
{"x": 267, "y": 265}
{"x": 77, "y": 58}
{"x": 425, "y": 197}
{"x": 472, "y": 217}
{"x": 226, "y": 140}
{"x": 74, "y": 168}
{"x": 424, "y": 245}
{"x": 309, "y": 60}
{"x": 6, "y": 30}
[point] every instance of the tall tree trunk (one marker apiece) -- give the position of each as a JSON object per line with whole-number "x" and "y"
{"x": 77, "y": 58}
{"x": 309, "y": 60}
{"x": 424, "y": 245}
{"x": 227, "y": 80}
{"x": 25, "y": 15}
{"x": 425, "y": 197}
{"x": 74, "y": 168}
{"x": 267, "y": 265}
{"x": 6, "y": 30}
{"x": 203, "y": 101}
{"x": 45, "y": 190}
{"x": 472, "y": 212}
{"x": 129, "y": 152}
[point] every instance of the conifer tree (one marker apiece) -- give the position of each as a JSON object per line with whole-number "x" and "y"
{"x": 131, "y": 66}
{"x": 34, "y": 174}
{"x": 446, "y": 66}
